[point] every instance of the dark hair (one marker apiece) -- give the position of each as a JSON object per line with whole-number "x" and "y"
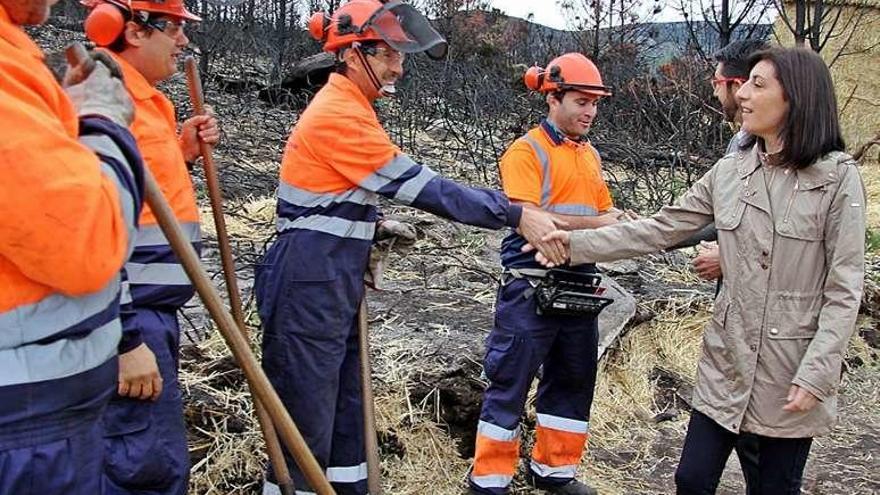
{"x": 811, "y": 128}
{"x": 734, "y": 58}
{"x": 119, "y": 44}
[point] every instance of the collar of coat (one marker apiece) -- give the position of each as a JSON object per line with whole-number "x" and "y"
{"x": 820, "y": 173}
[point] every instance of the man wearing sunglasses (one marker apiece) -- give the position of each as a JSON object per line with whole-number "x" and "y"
{"x": 731, "y": 71}
{"x": 144, "y": 432}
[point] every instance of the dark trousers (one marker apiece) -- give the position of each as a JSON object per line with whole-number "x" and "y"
{"x": 311, "y": 355}
{"x": 521, "y": 342}
{"x": 772, "y": 466}
{"x": 145, "y": 445}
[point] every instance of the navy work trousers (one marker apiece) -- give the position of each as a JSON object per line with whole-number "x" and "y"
{"x": 520, "y": 343}
{"x": 311, "y": 356}
{"x": 50, "y": 436}
{"x": 145, "y": 441}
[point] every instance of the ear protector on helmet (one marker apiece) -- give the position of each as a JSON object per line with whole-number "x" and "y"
{"x": 318, "y": 25}
{"x": 106, "y": 21}
{"x": 104, "y": 24}
{"x": 534, "y": 77}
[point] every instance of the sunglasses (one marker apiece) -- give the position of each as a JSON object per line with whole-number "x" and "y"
{"x": 172, "y": 28}
{"x": 715, "y": 81}
{"x": 388, "y": 55}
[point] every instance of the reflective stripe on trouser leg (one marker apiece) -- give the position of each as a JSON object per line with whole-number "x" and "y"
{"x": 347, "y": 470}
{"x": 144, "y": 441}
{"x": 565, "y": 395}
{"x": 495, "y": 457}
{"x": 514, "y": 350}
{"x": 270, "y": 488}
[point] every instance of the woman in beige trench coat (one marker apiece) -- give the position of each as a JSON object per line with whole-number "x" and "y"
{"x": 790, "y": 212}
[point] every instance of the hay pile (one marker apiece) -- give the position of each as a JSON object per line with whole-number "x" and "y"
{"x": 447, "y": 284}
{"x": 418, "y": 452}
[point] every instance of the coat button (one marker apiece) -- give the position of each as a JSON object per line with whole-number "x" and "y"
{"x": 774, "y": 331}
{"x": 765, "y": 266}
{"x": 753, "y": 348}
{"x": 765, "y": 253}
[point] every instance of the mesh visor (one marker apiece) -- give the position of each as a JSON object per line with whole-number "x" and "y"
{"x": 406, "y": 30}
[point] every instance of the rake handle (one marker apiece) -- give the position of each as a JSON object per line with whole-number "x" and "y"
{"x": 371, "y": 443}
{"x": 257, "y": 380}
{"x": 215, "y": 194}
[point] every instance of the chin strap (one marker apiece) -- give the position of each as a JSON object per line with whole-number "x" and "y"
{"x": 384, "y": 90}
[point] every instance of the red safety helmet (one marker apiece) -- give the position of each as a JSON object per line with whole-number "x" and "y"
{"x": 394, "y": 22}
{"x": 571, "y": 71}
{"x": 107, "y": 18}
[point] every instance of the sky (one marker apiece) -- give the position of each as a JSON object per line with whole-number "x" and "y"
{"x": 548, "y": 13}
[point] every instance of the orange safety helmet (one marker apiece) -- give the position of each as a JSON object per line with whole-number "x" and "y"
{"x": 572, "y": 71}
{"x": 394, "y": 22}
{"x": 107, "y": 18}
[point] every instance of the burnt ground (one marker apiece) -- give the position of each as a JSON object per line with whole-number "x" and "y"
{"x": 427, "y": 338}
{"x": 847, "y": 461}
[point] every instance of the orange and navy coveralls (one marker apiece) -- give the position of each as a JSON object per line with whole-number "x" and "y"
{"x": 563, "y": 176}
{"x": 337, "y": 162}
{"x": 145, "y": 441}
{"x": 70, "y": 196}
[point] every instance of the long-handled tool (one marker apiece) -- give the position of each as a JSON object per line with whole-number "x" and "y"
{"x": 257, "y": 380}
{"x": 371, "y": 442}
{"x": 273, "y": 446}
{"x": 238, "y": 345}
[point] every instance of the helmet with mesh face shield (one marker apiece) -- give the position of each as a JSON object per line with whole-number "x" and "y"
{"x": 396, "y": 23}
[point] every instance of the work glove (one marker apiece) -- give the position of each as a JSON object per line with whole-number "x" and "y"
{"x": 99, "y": 93}
{"x": 401, "y": 235}
{"x": 390, "y": 235}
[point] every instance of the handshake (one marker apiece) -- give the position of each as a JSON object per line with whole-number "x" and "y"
{"x": 542, "y": 232}
{"x": 549, "y": 236}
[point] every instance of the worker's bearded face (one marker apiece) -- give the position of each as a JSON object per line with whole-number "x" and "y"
{"x": 725, "y": 94}
{"x": 573, "y": 115}
{"x": 28, "y": 12}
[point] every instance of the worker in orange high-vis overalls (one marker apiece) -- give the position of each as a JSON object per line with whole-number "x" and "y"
{"x": 145, "y": 434}
{"x": 71, "y": 183}
{"x": 555, "y": 168}
{"x": 337, "y": 162}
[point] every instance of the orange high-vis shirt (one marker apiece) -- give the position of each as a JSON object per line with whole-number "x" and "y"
{"x": 561, "y": 175}
{"x": 155, "y": 130}
{"x": 337, "y": 142}
{"x": 62, "y": 228}
{"x": 154, "y": 275}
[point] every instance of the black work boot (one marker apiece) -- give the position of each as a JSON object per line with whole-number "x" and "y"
{"x": 573, "y": 487}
